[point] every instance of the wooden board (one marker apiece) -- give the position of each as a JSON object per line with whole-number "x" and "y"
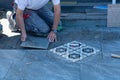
{"x": 35, "y": 42}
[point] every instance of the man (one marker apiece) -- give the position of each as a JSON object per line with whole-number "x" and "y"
{"x": 34, "y": 16}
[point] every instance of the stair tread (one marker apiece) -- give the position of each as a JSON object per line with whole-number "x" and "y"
{"x": 75, "y": 16}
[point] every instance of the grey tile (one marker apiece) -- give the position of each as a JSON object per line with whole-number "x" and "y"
{"x": 15, "y": 73}
{"x": 107, "y": 57}
{"x": 4, "y": 67}
{"x": 35, "y": 42}
{"x": 93, "y": 43}
{"x": 42, "y": 65}
{"x": 110, "y": 35}
{"x": 36, "y": 55}
{"x": 86, "y": 36}
{"x": 14, "y": 55}
{"x": 96, "y": 58}
{"x": 110, "y": 45}
{"x": 100, "y": 71}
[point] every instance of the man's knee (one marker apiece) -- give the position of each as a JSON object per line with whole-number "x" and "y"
{"x": 45, "y": 29}
{"x": 40, "y": 29}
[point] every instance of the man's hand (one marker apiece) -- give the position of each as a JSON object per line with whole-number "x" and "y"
{"x": 52, "y": 36}
{"x": 23, "y": 36}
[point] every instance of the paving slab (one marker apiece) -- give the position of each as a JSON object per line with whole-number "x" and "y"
{"x": 109, "y": 35}
{"x": 110, "y": 46}
{"x": 107, "y": 58}
{"x": 14, "y": 55}
{"x": 92, "y": 38}
{"x": 100, "y": 71}
{"x": 35, "y": 42}
{"x": 4, "y": 66}
{"x": 43, "y": 65}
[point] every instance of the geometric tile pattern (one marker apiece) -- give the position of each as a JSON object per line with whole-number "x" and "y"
{"x": 74, "y": 51}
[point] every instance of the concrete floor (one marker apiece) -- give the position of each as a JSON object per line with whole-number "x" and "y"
{"x": 17, "y": 63}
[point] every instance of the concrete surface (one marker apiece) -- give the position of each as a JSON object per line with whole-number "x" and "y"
{"x": 17, "y": 63}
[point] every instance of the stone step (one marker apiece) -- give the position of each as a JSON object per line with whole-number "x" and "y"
{"x": 84, "y": 21}
{"x": 79, "y": 7}
{"x": 96, "y": 11}
{"x": 74, "y": 8}
{"x": 83, "y": 16}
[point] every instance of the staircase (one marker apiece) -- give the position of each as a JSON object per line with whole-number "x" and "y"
{"x": 73, "y": 11}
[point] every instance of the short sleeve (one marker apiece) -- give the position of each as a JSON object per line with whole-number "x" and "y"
{"x": 55, "y": 2}
{"x": 22, "y": 4}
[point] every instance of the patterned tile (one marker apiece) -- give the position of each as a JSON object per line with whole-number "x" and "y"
{"x": 74, "y": 51}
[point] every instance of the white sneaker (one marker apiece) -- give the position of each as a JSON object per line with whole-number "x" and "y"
{"x": 11, "y": 19}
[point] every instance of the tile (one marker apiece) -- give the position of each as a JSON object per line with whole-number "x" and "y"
{"x": 74, "y": 51}
{"x": 100, "y": 71}
{"x": 14, "y": 55}
{"x": 4, "y": 67}
{"x": 110, "y": 45}
{"x": 110, "y": 35}
{"x": 42, "y": 65}
{"x": 107, "y": 57}
{"x": 97, "y": 58}
{"x": 35, "y": 42}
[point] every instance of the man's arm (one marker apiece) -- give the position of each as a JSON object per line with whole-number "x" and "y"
{"x": 20, "y": 23}
{"x": 57, "y": 12}
{"x": 52, "y": 35}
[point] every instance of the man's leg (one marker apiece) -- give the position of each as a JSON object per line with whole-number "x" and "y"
{"x": 47, "y": 15}
{"x": 34, "y": 23}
